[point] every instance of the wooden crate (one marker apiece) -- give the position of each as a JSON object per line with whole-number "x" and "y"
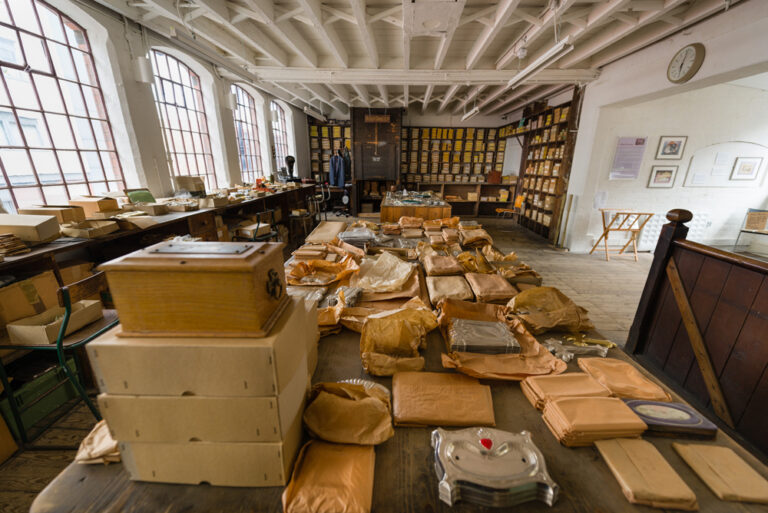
{"x": 199, "y": 289}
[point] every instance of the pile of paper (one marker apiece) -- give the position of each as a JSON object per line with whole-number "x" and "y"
{"x": 623, "y": 379}
{"x": 580, "y": 421}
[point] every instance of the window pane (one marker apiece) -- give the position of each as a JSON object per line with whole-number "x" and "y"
{"x": 62, "y": 61}
{"x": 50, "y": 97}
{"x": 7, "y": 200}
{"x": 55, "y": 195}
{"x": 9, "y": 129}
{"x": 99, "y": 188}
{"x": 28, "y": 196}
{"x": 60, "y": 131}
{"x": 20, "y": 86}
{"x": 17, "y": 167}
{"x": 92, "y": 165}
{"x": 34, "y": 49}
{"x": 4, "y": 16}
{"x": 75, "y": 35}
{"x": 46, "y": 166}
{"x": 51, "y": 23}
{"x": 10, "y": 50}
{"x": 78, "y": 190}
{"x": 111, "y": 165}
{"x": 70, "y": 165}
{"x": 85, "y": 70}
{"x": 103, "y": 135}
{"x": 24, "y": 15}
{"x": 33, "y": 126}
{"x": 83, "y": 134}
{"x": 72, "y": 98}
{"x": 94, "y": 102}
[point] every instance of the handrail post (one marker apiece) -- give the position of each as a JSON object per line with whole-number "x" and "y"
{"x": 674, "y": 230}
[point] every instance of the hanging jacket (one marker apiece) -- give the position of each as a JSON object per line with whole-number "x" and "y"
{"x": 336, "y": 177}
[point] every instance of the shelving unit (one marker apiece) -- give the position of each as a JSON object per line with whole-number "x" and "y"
{"x": 457, "y": 163}
{"x": 549, "y": 137}
{"x": 324, "y": 140}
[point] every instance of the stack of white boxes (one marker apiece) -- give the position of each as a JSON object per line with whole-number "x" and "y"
{"x": 223, "y": 411}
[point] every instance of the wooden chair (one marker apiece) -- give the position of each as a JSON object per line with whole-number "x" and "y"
{"x": 272, "y": 235}
{"x": 83, "y": 289}
{"x": 621, "y": 221}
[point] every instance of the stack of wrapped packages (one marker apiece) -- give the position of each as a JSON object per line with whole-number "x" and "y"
{"x": 212, "y": 387}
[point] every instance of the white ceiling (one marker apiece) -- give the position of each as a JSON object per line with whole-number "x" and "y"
{"x": 755, "y": 81}
{"x": 449, "y": 55}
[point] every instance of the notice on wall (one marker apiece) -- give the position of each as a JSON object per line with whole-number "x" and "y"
{"x": 723, "y": 163}
{"x": 628, "y": 158}
{"x": 757, "y": 220}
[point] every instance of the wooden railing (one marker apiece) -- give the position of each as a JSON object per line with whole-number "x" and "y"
{"x": 702, "y": 326}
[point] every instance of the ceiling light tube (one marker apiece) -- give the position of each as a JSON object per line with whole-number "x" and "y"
{"x": 316, "y": 115}
{"x": 544, "y": 60}
{"x": 471, "y": 113}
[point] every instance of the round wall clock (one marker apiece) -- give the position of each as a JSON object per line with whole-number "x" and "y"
{"x": 685, "y": 63}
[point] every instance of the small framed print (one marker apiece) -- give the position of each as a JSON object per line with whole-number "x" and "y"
{"x": 671, "y": 147}
{"x": 662, "y": 176}
{"x": 746, "y": 168}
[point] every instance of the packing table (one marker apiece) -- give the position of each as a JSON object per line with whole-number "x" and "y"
{"x": 392, "y": 210}
{"x": 405, "y": 478}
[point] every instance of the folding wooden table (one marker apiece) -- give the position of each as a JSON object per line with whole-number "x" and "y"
{"x": 621, "y": 221}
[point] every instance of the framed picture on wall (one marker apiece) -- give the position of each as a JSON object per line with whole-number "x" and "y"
{"x": 746, "y": 168}
{"x": 662, "y": 176}
{"x": 671, "y": 147}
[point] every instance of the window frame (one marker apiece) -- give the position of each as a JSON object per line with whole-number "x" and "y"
{"x": 279, "y": 133}
{"x": 82, "y": 144}
{"x": 200, "y": 113}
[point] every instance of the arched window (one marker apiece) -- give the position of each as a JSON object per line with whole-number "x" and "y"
{"x": 179, "y": 102}
{"x": 279, "y": 134}
{"x": 247, "y": 132}
{"x": 56, "y": 140}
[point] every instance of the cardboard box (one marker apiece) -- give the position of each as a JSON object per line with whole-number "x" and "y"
{"x": 43, "y": 328}
{"x": 90, "y": 229}
{"x": 472, "y": 196}
{"x": 252, "y": 230}
{"x": 217, "y": 366}
{"x": 153, "y": 209}
{"x": 30, "y": 228}
{"x": 219, "y": 464}
{"x": 28, "y": 297}
{"x": 151, "y": 418}
{"x": 75, "y": 273}
{"x": 192, "y": 184}
{"x": 64, "y": 213}
{"x": 213, "y": 202}
{"x": 93, "y": 204}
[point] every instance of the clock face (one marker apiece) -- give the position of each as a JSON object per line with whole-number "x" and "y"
{"x": 686, "y": 63}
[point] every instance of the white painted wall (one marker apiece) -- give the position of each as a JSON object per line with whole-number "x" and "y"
{"x": 735, "y": 42}
{"x": 711, "y": 116}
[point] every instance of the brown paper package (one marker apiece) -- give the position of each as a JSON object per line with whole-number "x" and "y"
{"x": 623, "y": 379}
{"x": 441, "y": 399}
{"x": 579, "y": 421}
{"x": 728, "y": 476}
{"x": 489, "y": 288}
{"x": 438, "y": 265}
{"x": 645, "y": 476}
{"x": 541, "y": 389}
{"x": 546, "y": 308}
{"x": 331, "y": 478}
{"x": 448, "y": 287}
{"x": 349, "y": 414}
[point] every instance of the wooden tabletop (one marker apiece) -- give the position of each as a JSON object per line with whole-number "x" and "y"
{"x": 405, "y": 480}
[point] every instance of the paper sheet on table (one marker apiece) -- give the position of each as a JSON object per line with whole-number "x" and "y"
{"x": 728, "y": 476}
{"x": 546, "y": 308}
{"x": 645, "y": 476}
{"x": 347, "y": 413}
{"x": 411, "y": 288}
{"x": 385, "y": 273}
{"x": 331, "y": 478}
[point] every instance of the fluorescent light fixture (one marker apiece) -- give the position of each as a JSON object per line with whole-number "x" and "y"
{"x": 544, "y": 60}
{"x": 316, "y": 115}
{"x": 471, "y": 113}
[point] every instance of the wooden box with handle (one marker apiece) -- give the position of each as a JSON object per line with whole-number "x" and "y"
{"x": 199, "y": 289}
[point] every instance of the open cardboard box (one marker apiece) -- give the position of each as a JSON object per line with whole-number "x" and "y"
{"x": 93, "y": 204}
{"x": 43, "y": 328}
{"x": 30, "y": 228}
{"x": 153, "y": 209}
{"x": 213, "y": 202}
{"x": 90, "y": 229}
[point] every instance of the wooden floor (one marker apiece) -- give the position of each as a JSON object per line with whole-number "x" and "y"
{"x": 609, "y": 290}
